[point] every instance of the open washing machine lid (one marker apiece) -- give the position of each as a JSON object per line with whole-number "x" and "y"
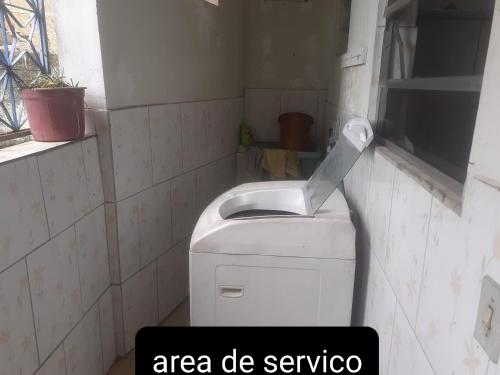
{"x": 356, "y": 137}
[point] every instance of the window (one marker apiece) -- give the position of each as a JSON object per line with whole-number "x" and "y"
{"x": 26, "y": 31}
{"x": 432, "y": 71}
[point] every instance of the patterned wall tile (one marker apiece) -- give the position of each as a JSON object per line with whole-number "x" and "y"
{"x": 92, "y": 253}
{"x": 232, "y": 114}
{"x": 207, "y": 185}
{"x": 64, "y": 184}
{"x": 226, "y": 173}
{"x": 18, "y": 353}
{"x": 103, "y": 129}
{"x": 262, "y": 109}
{"x": 380, "y": 310}
{"x": 55, "y": 290}
{"x": 83, "y": 346}
{"x": 211, "y": 121}
{"x": 23, "y": 224}
{"x": 411, "y": 205}
{"x": 183, "y": 206}
{"x": 379, "y": 205}
{"x": 155, "y": 222}
{"x": 127, "y": 212}
{"x": 450, "y": 288}
{"x": 193, "y": 135}
{"x": 166, "y": 142}
{"x": 172, "y": 279}
{"x": 107, "y": 330}
{"x": 140, "y": 303}
{"x": 131, "y": 146}
{"x": 407, "y": 356}
{"x": 55, "y": 365}
{"x": 93, "y": 172}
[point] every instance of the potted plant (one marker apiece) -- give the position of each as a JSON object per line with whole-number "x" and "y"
{"x": 55, "y": 108}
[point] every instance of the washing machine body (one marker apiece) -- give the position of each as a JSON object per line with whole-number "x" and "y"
{"x": 257, "y": 258}
{"x": 279, "y": 253}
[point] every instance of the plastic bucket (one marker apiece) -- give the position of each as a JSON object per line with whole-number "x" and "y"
{"x": 294, "y": 131}
{"x": 55, "y": 114}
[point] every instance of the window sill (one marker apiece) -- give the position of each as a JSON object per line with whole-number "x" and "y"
{"x": 30, "y": 148}
{"x": 442, "y": 187}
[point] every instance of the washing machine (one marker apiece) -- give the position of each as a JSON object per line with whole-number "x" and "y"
{"x": 279, "y": 253}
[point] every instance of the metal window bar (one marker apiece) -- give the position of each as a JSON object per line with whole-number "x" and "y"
{"x": 23, "y": 41}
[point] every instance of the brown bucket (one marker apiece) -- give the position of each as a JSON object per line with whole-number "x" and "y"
{"x": 55, "y": 114}
{"x": 294, "y": 131}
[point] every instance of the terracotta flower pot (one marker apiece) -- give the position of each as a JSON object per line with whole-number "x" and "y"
{"x": 294, "y": 131}
{"x": 55, "y": 114}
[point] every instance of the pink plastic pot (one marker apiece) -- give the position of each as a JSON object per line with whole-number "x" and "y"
{"x": 55, "y": 114}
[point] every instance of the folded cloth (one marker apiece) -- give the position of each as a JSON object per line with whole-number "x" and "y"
{"x": 280, "y": 163}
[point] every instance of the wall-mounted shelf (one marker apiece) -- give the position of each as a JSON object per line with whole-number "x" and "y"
{"x": 465, "y": 83}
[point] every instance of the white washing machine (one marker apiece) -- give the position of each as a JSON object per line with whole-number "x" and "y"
{"x": 279, "y": 253}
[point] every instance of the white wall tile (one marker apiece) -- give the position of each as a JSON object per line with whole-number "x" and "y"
{"x": 92, "y": 253}
{"x": 379, "y": 205}
{"x": 131, "y": 151}
{"x": 128, "y": 236}
{"x": 450, "y": 289}
{"x": 118, "y": 325}
{"x": 262, "y": 109}
{"x": 407, "y": 357}
{"x": 226, "y": 173}
{"x": 207, "y": 185}
{"x": 140, "y": 303}
{"x": 411, "y": 205}
{"x": 166, "y": 142}
{"x": 55, "y": 290}
{"x": 64, "y": 184}
{"x": 155, "y": 222}
{"x": 55, "y": 365}
{"x": 18, "y": 353}
{"x": 107, "y": 330}
{"x": 112, "y": 241}
{"x": 380, "y": 310}
{"x": 193, "y": 135}
{"x": 83, "y": 346}
{"x": 23, "y": 224}
{"x": 172, "y": 279}
{"x": 183, "y": 206}
{"x": 232, "y": 114}
{"x": 93, "y": 172}
{"x": 103, "y": 129}
{"x": 211, "y": 121}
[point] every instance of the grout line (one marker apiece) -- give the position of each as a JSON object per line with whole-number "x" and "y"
{"x": 61, "y": 343}
{"x": 154, "y": 260}
{"x": 50, "y": 239}
{"x": 78, "y": 265}
{"x": 85, "y": 175}
{"x": 392, "y": 333}
{"x": 183, "y": 102}
{"x": 226, "y": 156}
{"x": 389, "y": 218}
{"x": 100, "y": 333}
{"x": 424, "y": 261}
{"x": 32, "y": 310}
{"x": 43, "y": 198}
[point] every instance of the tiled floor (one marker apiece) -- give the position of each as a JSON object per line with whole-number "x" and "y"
{"x": 178, "y": 318}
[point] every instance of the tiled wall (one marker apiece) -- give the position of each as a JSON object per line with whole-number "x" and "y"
{"x": 420, "y": 264}
{"x": 161, "y": 166}
{"x": 264, "y": 106}
{"x": 424, "y": 266}
{"x": 55, "y": 295}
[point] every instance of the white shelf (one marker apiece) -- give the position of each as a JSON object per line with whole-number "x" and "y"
{"x": 464, "y": 83}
